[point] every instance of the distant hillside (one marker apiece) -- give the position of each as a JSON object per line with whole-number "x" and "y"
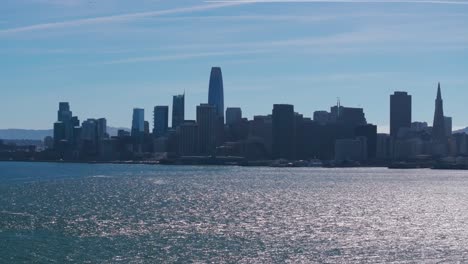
{"x": 31, "y": 134}
{"x": 464, "y": 130}
{"x": 25, "y": 134}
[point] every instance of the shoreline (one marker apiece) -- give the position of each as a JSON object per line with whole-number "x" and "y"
{"x": 153, "y": 163}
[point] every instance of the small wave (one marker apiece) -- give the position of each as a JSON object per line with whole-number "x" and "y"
{"x": 16, "y": 213}
{"x": 158, "y": 182}
{"x": 101, "y": 176}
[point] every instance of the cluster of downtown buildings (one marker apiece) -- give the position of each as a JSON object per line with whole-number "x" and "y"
{"x": 218, "y": 135}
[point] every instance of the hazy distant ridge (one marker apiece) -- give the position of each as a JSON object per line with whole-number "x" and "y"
{"x": 464, "y": 130}
{"x": 41, "y": 133}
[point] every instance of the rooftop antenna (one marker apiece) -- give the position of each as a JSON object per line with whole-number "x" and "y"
{"x": 338, "y": 105}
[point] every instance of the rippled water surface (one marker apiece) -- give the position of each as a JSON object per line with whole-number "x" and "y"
{"x": 163, "y": 214}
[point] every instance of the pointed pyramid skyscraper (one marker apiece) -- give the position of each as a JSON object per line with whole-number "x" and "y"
{"x": 438, "y": 127}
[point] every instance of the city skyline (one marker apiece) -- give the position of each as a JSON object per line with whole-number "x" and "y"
{"x": 108, "y": 59}
{"x": 168, "y": 108}
{"x": 339, "y": 137}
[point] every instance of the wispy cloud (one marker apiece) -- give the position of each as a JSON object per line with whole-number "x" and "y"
{"x": 115, "y": 18}
{"x": 61, "y": 2}
{"x": 184, "y": 56}
{"x": 461, "y": 2}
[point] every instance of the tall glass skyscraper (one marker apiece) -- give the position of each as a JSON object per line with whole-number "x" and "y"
{"x": 216, "y": 91}
{"x": 178, "y": 110}
{"x": 138, "y": 122}
{"x": 161, "y": 120}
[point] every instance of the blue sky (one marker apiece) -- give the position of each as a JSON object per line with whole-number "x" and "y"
{"x": 108, "y": 56}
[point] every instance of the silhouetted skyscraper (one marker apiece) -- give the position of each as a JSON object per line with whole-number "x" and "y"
{"x": 64, "y": 114}
{"x": 350, "y": 116}
{"x": 438, "y": 127}
{"x": 216, "y": 91}
{"x": 161, "y": 120}
{"x": 206, "y": 120}
{"x": 368, "y": 131}
{"x": 233, "y": 115}
{"x": 400, "y": 112}
{"x": 138, "y": 122}
{"x": 102, "y": 128}
{"x": 89, "y": 137}
{"x": 89, "y": 130}
{"x": 187, "y": 134}
{"x": 283, "y": 131}
{"x": 147, "y": 128}
{"x": 178, "y": 110}
{"x": 448, "y": 126}
{"x": 321, "y": 117}
{"x": 64, "y": 127}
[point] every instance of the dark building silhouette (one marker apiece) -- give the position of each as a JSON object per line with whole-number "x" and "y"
{"x": 89, "y": 138}
{"x": 438, "y": 127}
{"x": 102, "y": 129}
{"x": 161, "y": 120}
{"x": 64, "y": 137}
{"x": 138, "y": 122}
{"x": 347, "y": 115}
{"x": 237, "y": 128}
{"x": 322, "y": 117}
{"x": 327, "y": 136}
{"x": 64, "y": 113}
{"x": 178, "y": 110}
{"x": 284, "y": 131}
{"x": 59, "y": 133}
{"x": 370, "y": 133}
{"x": 138, "y": 129}
{"x": 206, "y": 120}
{"x": 233, "y": 115}
{"x": 448, "y": 126}
{"x": 400, "y": 112}
{"x": 216, "y": 91}
{"x": 187, "y": 134}
{"x": 147, "y": 128}
{"x": 260, "y": 129}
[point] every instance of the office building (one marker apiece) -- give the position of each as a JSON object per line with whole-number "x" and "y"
{"x": 348, "y": 116}
{"x": 138, "y": 122}
{"x": 64, "y": 127}
{"x": 384, "y": 147}
{"x": 233, "y": 115}
{"x": 102, "y": 129}
{"x": 161, "y": 121}
{"x": 351, "y": 150}
{"x": 64, "y": 114}
{"x": 448, "y": 126}
{"x": 284, "y": 131}
{"x": 400, "y": 112}
{"x": 178, "y": 110}
{"x": 321, "y": 117}
{"x": 369, "y": 132}
{"x": 206, "y": 120}
{"x": 187, "y": 134}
